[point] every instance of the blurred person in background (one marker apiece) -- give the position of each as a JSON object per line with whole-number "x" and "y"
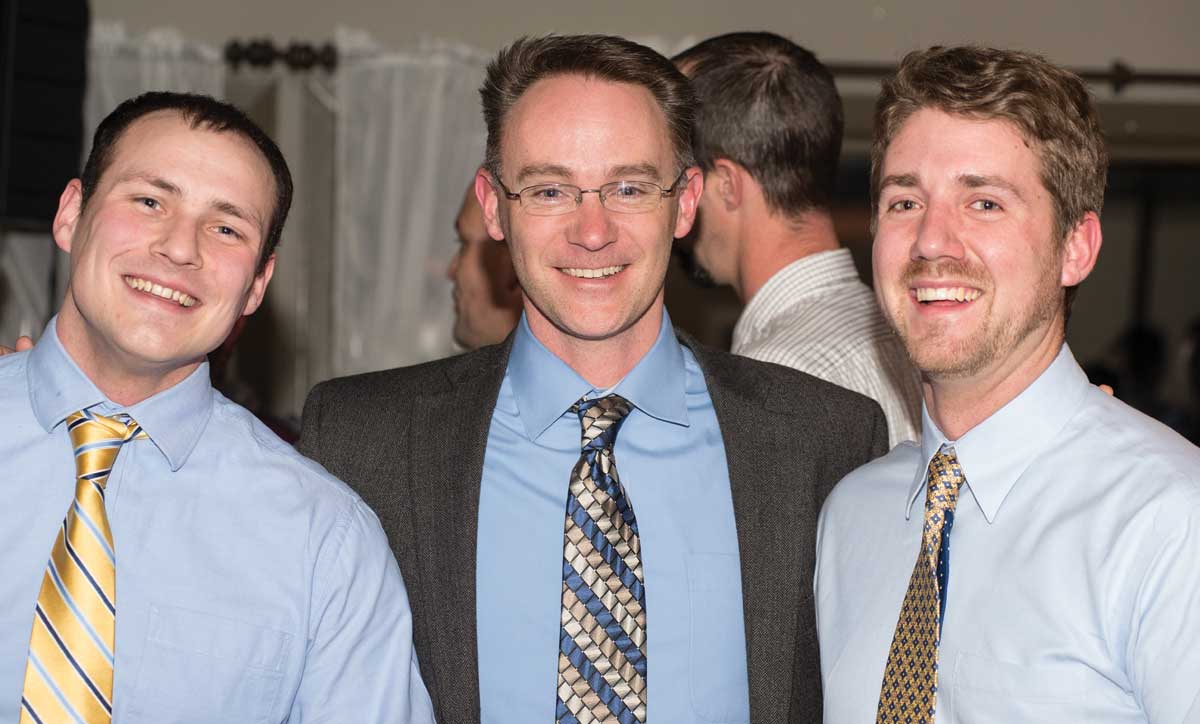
{"x": 768, "y": 138}
{"x": 487, "y": 295}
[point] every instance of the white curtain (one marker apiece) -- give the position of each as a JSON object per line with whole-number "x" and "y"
{"x": 121, "y": 66}
{"x": 410, "y": 136}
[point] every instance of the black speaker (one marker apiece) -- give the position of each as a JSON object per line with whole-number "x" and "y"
{"x": 43, "y": 74}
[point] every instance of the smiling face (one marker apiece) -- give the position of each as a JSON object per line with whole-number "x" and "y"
{"x": 591, "y": 274}
{"x": 165, "y": 254}
{"x": 967, "y": 268}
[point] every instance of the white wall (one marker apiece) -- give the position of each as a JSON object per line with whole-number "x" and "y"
{"x": 1158, "y": 34}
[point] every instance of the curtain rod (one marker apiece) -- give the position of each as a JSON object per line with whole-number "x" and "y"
{"x": 263, "y": 53}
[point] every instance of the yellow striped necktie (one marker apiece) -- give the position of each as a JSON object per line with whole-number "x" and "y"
{"x": 909, "y": 691}
{"x": 69, "y": 674}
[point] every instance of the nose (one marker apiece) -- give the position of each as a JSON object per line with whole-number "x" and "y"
{"x": 937, "y": 234}
{"x": 593, "y": 224}
{"x": 180, "y": 244}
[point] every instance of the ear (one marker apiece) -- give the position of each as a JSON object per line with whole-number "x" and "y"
{"x": 489, "y": 201}
{"x": 688, "y": 198}
{"x": 258, "y": 288}
{"x": 1081, "y": 250}
{"x": 70, "y": 206}
{"x": 730, "y": 182}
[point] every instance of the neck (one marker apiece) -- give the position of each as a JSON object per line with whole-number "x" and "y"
{"x": 772, "y": 241}
{"x": 123, "y": 380}
{"x": 959, "y": 403}
{"x": 602, "y": 362}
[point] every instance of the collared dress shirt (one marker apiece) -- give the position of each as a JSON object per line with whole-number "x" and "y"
{"x": 815, "y": 315}
{"x": 251, "y": 585}
{"x": 671, "y": 462}
{"x": 1074, "y": 583}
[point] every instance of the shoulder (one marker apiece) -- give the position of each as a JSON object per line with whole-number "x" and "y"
{"x": 384, "y": 390}
{"x": 780, "y": 388}
{"x": 261, "y": 456}
{"x": 827, "y": 334}
{"x": 840, "y": 428}
{"x": 1123, "y": 444}
{"x": 12, "y": 368}
{"x": 429, "y": 375}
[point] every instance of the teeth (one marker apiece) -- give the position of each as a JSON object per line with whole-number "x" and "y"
{"x": 593, "y": 273}
{"x": 941, "y": 294}
{"x": 159, "y": 290}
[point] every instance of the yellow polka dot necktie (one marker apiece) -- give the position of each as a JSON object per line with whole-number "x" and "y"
{"x": 602, "y": 638}
{"x": 909, "y": 692}
{"x": 69, "y": 673}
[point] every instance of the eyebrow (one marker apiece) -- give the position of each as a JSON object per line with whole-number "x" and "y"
{"x": 234, "y": 210}
{"x": 543, "y": 169}
{"x": 634, "y": 169}
{"x": 904, "y": 180}
{"x": 155, "y": 181}
{"x": 619, "y": 171}
{"x": 975, "y": 181}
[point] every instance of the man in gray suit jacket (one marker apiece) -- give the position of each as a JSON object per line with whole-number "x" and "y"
{"x": 536, "y": 590}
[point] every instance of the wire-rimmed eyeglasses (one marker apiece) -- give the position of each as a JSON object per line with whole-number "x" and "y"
{"x": 623, "y": 197}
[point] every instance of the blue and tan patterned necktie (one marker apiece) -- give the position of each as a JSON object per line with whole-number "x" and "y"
{"x": 69, "y": 674}
{"x": 602, "y": 640}
{"x": 909, "y": 693}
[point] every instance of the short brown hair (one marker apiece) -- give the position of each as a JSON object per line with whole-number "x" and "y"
{"x": 606, "y": 57}
{"x": 1049, "y": 105}
{"x": 770, "y": 106}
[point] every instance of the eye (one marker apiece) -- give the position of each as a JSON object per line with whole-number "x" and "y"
{"x": 547, "y": 193}
{"x": 985, "y": 205}
{"x": 902, "y": 205}
{"x": 229, "y": 231}
{"x": 629, "y": 190}
{"x": 147, "y": 202}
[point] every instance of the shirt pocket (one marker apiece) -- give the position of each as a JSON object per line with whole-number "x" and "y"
{"x": 198, "y": 667}
{"x": 720, "y": 691}
{"x": 989, "y": 690}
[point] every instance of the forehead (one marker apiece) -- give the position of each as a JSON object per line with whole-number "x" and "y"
{"x": 937, "y": 142}
{"x": 587, "y": 126}
{"x": 206, "y": 164}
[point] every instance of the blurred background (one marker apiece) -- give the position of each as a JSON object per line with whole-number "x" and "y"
{"x": 375, "y": 106}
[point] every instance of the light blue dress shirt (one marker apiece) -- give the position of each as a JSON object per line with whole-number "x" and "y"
{"x": 251, "y": 585}
{"x": 671, "y": 461}
{"x": 1074, "y": 591}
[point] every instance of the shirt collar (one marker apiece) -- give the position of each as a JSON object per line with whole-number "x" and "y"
{"x": 545, "y": 387}
{"x": 174, "y": 418}
{"x": 997, "y": 451}
{"x": 792, "y": 283}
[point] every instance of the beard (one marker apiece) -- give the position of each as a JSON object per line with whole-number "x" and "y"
{"x": 943, "y": 351}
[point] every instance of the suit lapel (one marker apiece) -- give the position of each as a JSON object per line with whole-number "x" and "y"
{"x": 772, "y": 510}
{"x": 447, "y": 440}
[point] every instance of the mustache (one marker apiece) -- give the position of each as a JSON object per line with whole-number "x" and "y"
{"x": 947, "y": 268}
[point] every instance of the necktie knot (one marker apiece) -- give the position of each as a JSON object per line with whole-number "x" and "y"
{"x": 96, "y": 440}
{"x": 945, "y": 479}
{"x": 601, "y": 419}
